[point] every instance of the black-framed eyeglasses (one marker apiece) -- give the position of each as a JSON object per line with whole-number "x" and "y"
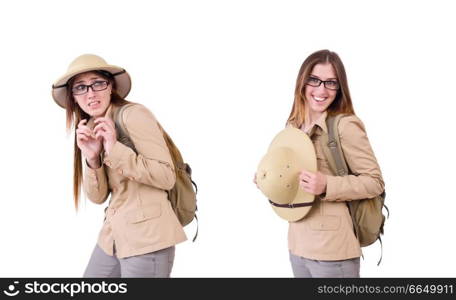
{"x": 329, "y": 84}
{"x": 81, "y": 89}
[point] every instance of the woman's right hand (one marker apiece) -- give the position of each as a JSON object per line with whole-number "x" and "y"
{"x": 90, "y": 146}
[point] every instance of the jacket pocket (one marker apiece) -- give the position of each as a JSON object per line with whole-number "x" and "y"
{"x": 143, "y": 214}
{"x": 325, "y": 223}
{"x": 322, "y": 161}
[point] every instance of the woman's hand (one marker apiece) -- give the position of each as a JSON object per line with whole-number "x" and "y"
{"x": 313, "y": 183}
{"x": 105, "y": 129}
{"x": 90, "y": 145}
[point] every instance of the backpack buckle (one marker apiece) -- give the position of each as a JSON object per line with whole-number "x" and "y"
{"x": 332, "y": 144}
{"x": 341, "y": 172}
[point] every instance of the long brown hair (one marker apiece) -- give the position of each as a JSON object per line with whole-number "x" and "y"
{"x": 74, "y": 114}
{"x": 341, "y": 104}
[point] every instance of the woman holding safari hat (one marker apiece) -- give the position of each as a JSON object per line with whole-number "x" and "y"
{"x": 321, "y": 240}
{"x": 140, "y": 229}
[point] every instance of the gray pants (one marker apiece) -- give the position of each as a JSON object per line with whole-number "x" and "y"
{"x": 303, "y": 267}
{"x": 154, "y": 264}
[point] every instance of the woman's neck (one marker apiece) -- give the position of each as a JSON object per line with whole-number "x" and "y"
{"x": 311, "y": 118}
{"x": 105, "y": 113}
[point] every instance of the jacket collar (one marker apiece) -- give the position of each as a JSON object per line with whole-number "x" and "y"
{"x": 109, "y": 113}
{"x": 320, "y": 122}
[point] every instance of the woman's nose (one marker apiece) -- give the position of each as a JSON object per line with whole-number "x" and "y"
{"x": 321, "y": 89}
{"x": 90, "y": 92}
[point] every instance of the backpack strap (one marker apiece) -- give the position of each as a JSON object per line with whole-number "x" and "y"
{"x": 338, "y": 165}
{"x": 118, "y": 117}
{"x": 124, "y": 138}
{"x": 196, "y": 234}
{"x": 381, "y": 255}
{"x": 122, "y": 135}
{"x": 333, "y": 151}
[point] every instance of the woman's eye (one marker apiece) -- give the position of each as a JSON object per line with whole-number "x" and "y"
{"x": 80, "y": 87}
{"x": 332, "y": 83}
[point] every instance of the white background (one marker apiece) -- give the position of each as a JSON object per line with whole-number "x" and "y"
{"x": 220, "y": 76}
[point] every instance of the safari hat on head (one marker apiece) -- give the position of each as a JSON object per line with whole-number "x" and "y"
{"x": 86, "y": 63}
{"x": 290, "y": 152}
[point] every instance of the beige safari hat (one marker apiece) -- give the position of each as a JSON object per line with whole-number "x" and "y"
{"x": 86, "y": 63}
{"x": 290, "y": 152}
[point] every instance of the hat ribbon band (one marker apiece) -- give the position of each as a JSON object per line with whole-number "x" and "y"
{"x": 64, "y": 85}
{"x": 118, "y": 73}
{"x": 292, "y": 205}
{"x": 59, "y": 86}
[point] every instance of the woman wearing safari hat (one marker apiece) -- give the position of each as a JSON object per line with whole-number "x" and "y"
{"x": 140, "y": 229}
{"x": 321, "y": 239}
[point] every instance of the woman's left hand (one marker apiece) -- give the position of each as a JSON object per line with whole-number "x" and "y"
{"x": 104, "y": 127}
{"x": 313, "y": 183}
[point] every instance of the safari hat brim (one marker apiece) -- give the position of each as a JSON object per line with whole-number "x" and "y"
{"x": 87, "y": 63}
{"x": 302, "y": 157}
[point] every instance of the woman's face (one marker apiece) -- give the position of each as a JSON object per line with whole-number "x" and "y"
{"x": 320, "y": 95}
{"x": 92, "y": 92}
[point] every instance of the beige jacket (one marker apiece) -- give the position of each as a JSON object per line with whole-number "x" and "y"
{"x": 326, "y": 232}
{"x": 139, "y": 218}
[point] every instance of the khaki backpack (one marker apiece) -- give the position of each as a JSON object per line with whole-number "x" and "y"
{"x": 367, "y": 214}
{"x": 183, "y": 194}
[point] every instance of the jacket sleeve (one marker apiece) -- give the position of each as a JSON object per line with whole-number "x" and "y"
{"x": 95, "y": 184}
{"x": 366, "y": 180}
{"x": 152, "y": 164}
